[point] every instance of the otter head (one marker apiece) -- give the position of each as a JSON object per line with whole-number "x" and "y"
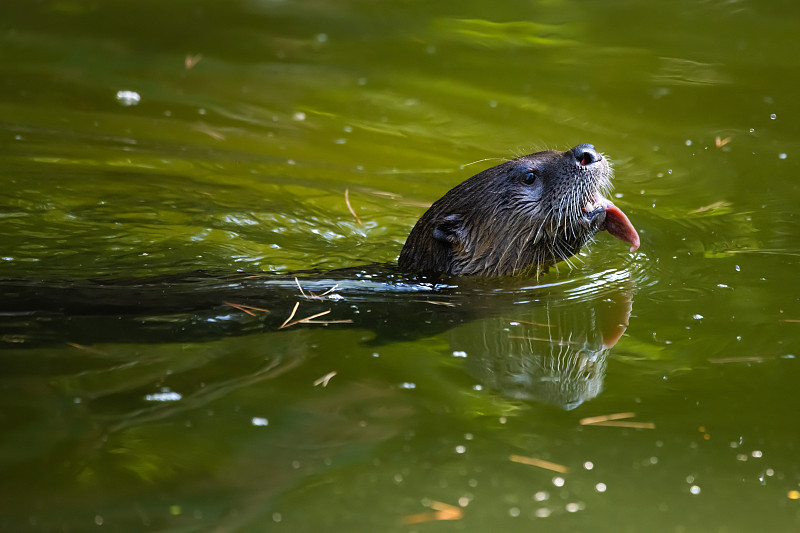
{"x": 523, "y": 215}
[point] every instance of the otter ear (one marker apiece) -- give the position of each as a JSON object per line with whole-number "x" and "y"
{"x": 450, "y": 229}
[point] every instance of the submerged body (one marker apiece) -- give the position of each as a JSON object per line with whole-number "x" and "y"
{"x": 521, "y": 216}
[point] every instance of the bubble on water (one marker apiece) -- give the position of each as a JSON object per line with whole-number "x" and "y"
{"x": 259, "y": 421}
{"x": 773, "y": 116}
{"x": 128, "y": 98}
{"x": 408, "y": 385}
{"x": 558, "y": 481}
{"x": 461, "y": 448}
{"x": 459, "y": 353}
{"x": 588, "y": 465}
{"x": 514, "y": 512}
{"x": 544, "y": 512}
{"x": 694, "y": 489}
{"x": 322, "y": 37}
{"x": 600, "y": 487}
{"x": 781, "y": 156}
{"x": 299, "y": 116}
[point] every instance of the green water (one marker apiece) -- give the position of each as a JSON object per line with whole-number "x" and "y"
{"x": 249, "y": 122}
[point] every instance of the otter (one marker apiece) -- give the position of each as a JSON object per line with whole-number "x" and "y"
{"x": 522, "y": 216}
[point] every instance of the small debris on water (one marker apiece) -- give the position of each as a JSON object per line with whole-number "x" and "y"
{"x": 128, "y": 98}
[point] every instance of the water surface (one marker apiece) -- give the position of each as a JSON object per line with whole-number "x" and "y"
{"x": 159, "y": 138}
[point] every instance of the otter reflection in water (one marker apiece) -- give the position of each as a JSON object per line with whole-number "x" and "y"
{"x": 553, "y": 351}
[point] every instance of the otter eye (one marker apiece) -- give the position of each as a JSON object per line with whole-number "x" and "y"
{"x": 529, "y": 178}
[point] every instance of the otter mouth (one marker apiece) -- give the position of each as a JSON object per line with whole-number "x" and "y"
{"x": 616, "y": 222}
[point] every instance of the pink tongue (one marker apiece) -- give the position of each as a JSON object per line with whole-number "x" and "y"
{"x": 618, "y": 225}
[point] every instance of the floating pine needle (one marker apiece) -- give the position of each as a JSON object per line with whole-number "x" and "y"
{"x": 792, "y": 320}
{"x": 604, "y": 418}
{"x": 247, "y": 308}
{"x": 299, "y": 287}
{"x": 328, "y": 291}
{"x": 324, "y": 379}
{"x": 616, "y": 420}
{"x": 217, "y": 136}
{"x": 443, "y": 511}
{"x": 310, "y": 319}
{"x": 626, "y": 424}
{"x": 86, "y": 348}
{"x": 192, "y": 60}
{"x": 532, "y": 461}
{"x": 313, "y": 296}
{"x": 291, "y": 316}
{"x": 350, "y": 207}
{"x": 710, "y": 207}
{"x": 751, "y": 359}
{"x": 433, "y": 302}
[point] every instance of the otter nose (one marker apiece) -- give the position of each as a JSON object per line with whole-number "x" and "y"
{"x": 585, "y": 154}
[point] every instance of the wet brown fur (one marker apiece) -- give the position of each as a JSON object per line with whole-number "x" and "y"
{"x": 523, "y": 215}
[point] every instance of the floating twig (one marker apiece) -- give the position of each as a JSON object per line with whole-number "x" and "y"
{"x": 324, "y": 379}
{"x": 350, "y": 207}
{"x": 541, "y": 463}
